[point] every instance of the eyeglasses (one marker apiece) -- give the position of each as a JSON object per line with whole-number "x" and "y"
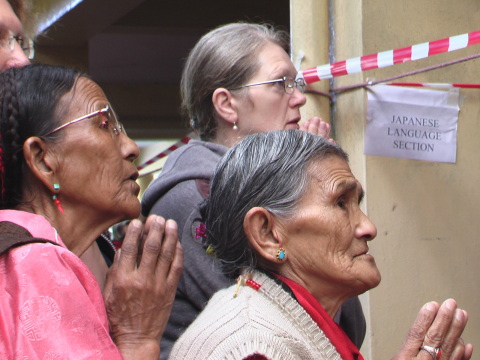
{"x": 289, "y": 84}
{"x": 110, "y": 118}
{"x": 25, "y": 43}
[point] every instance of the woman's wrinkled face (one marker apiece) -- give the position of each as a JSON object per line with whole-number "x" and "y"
{"x": 327, "y": 238}
{"x": 95, "y": 169}
{"x": 268, "y": 107}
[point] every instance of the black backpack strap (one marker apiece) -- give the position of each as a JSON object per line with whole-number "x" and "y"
{"x": 13, "y": 235}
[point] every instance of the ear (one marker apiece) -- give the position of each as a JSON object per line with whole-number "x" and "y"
{"x": 39, "y": 160}
{"x": 224, "y": 104}
{"x": 259, "y": 226}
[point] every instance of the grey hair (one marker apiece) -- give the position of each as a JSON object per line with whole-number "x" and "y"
{"x": 268, "y": 170}
{"x": 223, "y": 58}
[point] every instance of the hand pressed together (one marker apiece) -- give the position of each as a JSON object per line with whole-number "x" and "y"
{"x": 437, "y": 327}
{"x": 141, "y": 286}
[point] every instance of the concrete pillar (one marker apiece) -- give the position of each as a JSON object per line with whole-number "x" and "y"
{"x": 309, "y": 29}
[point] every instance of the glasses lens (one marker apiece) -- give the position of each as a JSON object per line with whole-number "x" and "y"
{"x": 117, "y": 125}
{"x": 121, "y": 127}
{"x": 9, "y": 41}
{"x": 300, "y": 84}
{"x": 289, "y": 85}
{"x": 25, "y": 43}
{"x": 27, "y": 47}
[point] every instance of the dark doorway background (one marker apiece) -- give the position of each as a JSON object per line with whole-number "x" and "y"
{"x": 135, "y": 50}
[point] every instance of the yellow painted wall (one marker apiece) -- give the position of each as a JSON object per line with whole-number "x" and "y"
{"x": 426, "y": 212}
{"x": 427, "y": 246}
{"x": 309, "y": 33}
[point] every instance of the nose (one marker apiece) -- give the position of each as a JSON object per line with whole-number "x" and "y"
{"x": 365, "y": 229}
{"x": 297, "y": 98}
{"x": 130, "y": 150}
{"x": 16, "y": 58}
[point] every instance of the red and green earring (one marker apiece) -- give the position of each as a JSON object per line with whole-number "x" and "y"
{"x": 55, "y": 198}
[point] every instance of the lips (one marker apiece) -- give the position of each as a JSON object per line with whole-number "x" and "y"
{"x": 365, "y": 252}
{"x": 137, "y": 189}
{"x": 134, "y": 176}
{"x": 294, "y": 122}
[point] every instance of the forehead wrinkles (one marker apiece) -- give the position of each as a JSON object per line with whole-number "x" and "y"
{"x": 81, "y": 99}
{"x": 90, "y": 94}
{"x": 345, "y": 185}
{"x": 333, "y": 175}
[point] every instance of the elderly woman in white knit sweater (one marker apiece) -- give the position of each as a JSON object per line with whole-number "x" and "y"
{"x": 284, "y": 217}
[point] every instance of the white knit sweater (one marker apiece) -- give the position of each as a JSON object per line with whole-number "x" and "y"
{"x": 268, "y": 322}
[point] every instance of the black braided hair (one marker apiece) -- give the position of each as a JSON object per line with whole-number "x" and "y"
{"x": 29, "y": 105}
{"x": 10, "y": 137}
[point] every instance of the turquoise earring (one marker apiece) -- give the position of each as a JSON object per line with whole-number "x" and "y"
{"x": 281, "y": 255}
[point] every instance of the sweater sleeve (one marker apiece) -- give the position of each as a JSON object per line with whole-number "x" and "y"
{"x": 51, "y": 307}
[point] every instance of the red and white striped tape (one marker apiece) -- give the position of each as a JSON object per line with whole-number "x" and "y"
{"x": 179, "y": 143}
{"x": 437, "y": 85}
{"x": 368, "y": 62}
{"x": 389, "y": 58}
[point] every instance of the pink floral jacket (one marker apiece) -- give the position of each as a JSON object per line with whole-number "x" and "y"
{"x": 51, "y": 306}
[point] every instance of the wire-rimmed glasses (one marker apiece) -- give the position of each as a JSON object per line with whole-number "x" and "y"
{"x": 289, "y": 84}
{"x": 107, "y": 111}
{"x": 25, "y": 43}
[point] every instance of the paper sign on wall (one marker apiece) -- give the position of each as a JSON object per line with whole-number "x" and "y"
{"x": 408, "y": 123}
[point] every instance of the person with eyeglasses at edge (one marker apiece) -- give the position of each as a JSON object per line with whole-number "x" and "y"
{"x": 15, "y": 48}
{"x": 237, "y": 80}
